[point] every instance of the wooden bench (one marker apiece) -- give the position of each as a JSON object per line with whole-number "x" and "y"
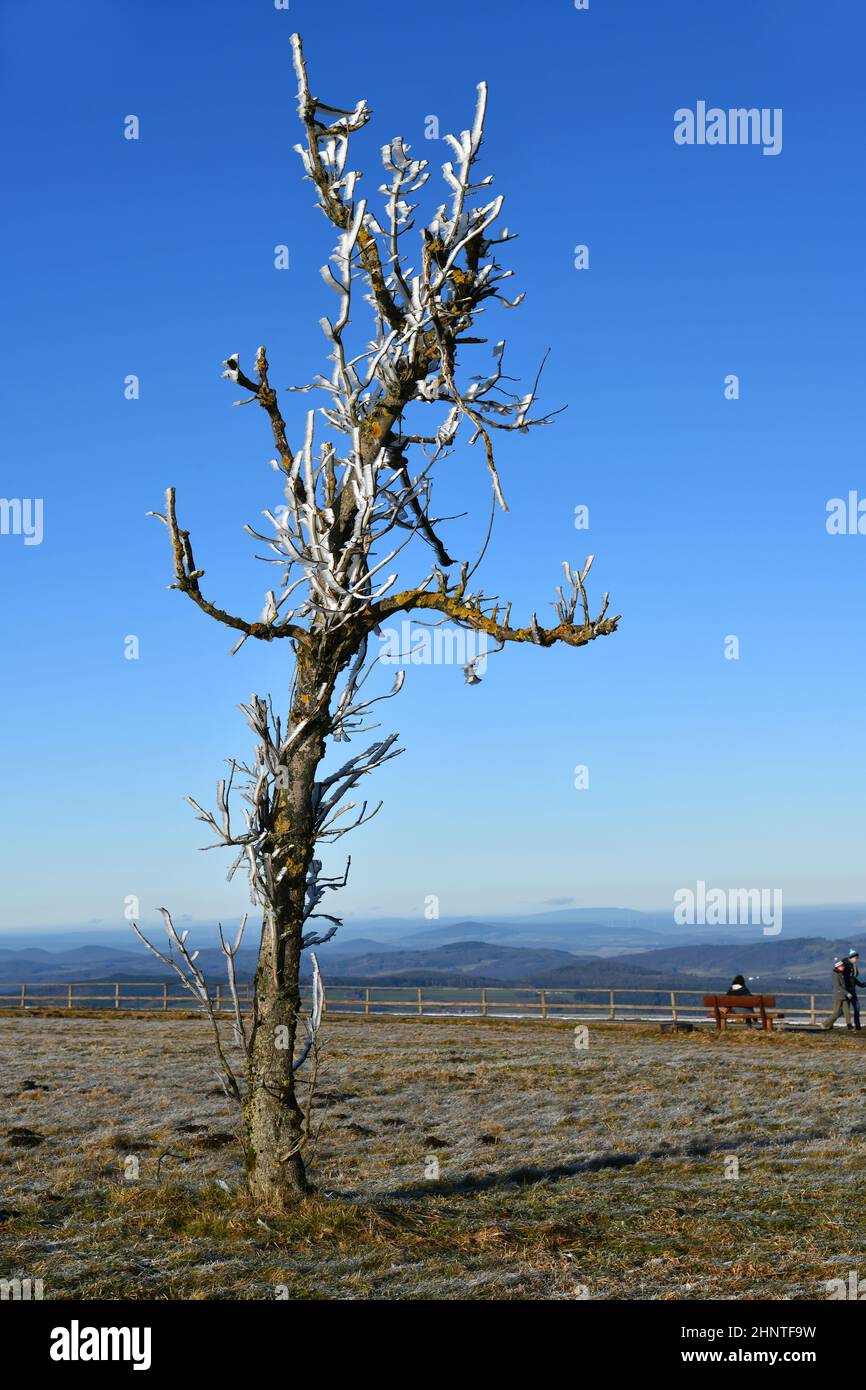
{"x": 752, "y": 1008}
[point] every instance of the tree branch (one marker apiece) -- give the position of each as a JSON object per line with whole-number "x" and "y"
{"x": 187, "y": 580}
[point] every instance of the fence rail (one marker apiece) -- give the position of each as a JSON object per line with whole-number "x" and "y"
{"x": 678, "y": 1005}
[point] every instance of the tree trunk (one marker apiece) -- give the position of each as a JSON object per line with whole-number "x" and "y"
{"x": 274, "y": 1119}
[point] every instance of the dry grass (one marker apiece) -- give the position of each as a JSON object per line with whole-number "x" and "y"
{"x": 558, "y": 1168}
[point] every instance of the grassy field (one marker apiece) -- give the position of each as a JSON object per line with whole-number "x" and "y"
{"x": 563, "y": 1173}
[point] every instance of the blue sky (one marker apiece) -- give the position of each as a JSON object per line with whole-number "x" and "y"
{"x": 707, "y": 516}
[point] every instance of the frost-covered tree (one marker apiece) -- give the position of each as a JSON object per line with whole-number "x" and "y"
{"x": 359, "y": 498}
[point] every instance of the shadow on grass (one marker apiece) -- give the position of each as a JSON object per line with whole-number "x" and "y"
{"x": 596, "y": 1163}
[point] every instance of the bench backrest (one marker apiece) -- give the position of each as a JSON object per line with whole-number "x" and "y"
{"x": 743, "y": 1001}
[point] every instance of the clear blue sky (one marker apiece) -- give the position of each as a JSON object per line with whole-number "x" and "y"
{"x": 155, "y": 257}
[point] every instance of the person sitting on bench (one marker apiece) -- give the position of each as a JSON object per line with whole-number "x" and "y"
{"x": 739, "y": 986}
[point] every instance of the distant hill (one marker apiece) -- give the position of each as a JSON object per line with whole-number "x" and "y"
{"x": 587, "y": 938}
{"x": 809, "y": 959}
{"x": 478, "y": 963}
{"x": 495, "y": 953}
{"x": 86, "y": 963}
{"x": 476, "y": 959}
{"x": 355, "y": 946}
{"x": 581, "y": 931}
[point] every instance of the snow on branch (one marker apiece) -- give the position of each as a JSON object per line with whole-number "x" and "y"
{"x": 187, "y": 578}
{"x": 314, "y": 1018}
{"x": 407, "y": 292}
{"x": 192, "y": 979}
{"x": 358, "y": 499}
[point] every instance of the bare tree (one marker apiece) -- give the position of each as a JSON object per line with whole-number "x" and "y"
{"x": 356, "y": 502}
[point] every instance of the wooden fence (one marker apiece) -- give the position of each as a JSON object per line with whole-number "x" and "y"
{"x": 678, "y": 1005}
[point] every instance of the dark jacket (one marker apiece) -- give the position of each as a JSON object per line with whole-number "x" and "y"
{"x": 844, "y": 980}
{"x": 734, "y": 988}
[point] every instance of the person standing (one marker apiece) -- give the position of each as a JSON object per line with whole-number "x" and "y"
{"x": 856, "y": 983}
{"x": 843, "y": 993}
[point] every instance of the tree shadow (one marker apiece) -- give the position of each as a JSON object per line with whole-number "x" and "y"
{"x": 525, "y": 1175}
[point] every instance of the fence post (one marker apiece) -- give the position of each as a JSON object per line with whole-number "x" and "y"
{"x": 543, "y": 994}
{"x": 420, "y": 1002}
{"x": 674, "y": 1005}
{"x": 612, "y": 1006}
{"x": 69, "y": 996}
{"x": 23, "y": 996}
{"x": 117, "y": 996}
{"x": 219, "y": 1002}
{"x": 367, "y": 1000}
{"x": 164, "y": 998}
{"x": 483, "y": 1002}
{"x": 814, "y": 1018}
